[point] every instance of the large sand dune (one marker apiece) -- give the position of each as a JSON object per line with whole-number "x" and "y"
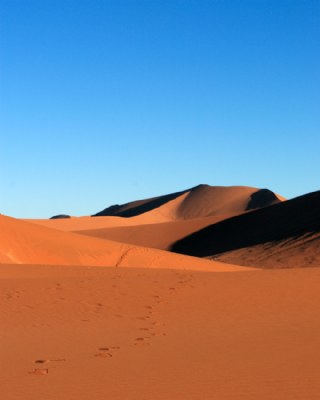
{"x": 283, "y": 235}
{"x": 200, "y": 201}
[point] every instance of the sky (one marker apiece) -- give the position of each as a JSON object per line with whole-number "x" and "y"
{"x": 107, "y": 101}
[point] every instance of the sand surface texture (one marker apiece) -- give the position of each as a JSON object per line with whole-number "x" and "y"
{"x": 77, "y": 333}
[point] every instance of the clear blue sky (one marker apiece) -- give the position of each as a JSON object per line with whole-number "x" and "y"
{"x": 107, "y": 101}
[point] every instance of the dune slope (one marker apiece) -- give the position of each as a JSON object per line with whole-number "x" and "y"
{"x": 284, "y": 234}
{"x": 158, "y": 236}
{"x": 27, "y": 243}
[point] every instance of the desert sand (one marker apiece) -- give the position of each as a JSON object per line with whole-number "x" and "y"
{"x": 84, "y": 317}
{"x": 96, "y": 333}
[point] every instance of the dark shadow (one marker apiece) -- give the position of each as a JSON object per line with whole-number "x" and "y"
{"x": 60, "y": 216}
{"x": 280, "y": 221}
{"x": 262, "y": 198}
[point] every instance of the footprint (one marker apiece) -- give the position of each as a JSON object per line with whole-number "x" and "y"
{"x": 39, "y": 371}
{"x": 40, "y": 361}
{"x": 142, "y": 340}
{"x": 103, "y": 354}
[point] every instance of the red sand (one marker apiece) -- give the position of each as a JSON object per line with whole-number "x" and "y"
{"x": 77, "y": 333}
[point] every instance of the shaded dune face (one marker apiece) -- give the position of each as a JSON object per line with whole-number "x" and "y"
{"x": 263, "y": 198}
{"x": 294, "y": 222}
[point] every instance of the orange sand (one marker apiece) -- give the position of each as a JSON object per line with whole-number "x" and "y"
{"x": 77, "y": 333}
{"x": 27, "y": 243}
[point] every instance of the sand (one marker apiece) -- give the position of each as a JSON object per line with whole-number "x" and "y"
{"x": 27, "y": 243}
{"x": 159, "y": 236}
{"x": 78, "y": 333}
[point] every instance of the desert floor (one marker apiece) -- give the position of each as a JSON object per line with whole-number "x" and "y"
{"x": 91, "y": 333}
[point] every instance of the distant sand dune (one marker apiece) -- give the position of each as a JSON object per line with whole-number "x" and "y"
{"x": 200, "y": 201}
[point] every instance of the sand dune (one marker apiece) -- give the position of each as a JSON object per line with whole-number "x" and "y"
{"x": 282, "y": 235}
{"x": 26, "y": 243}
{"x": 104, "y": 333}
{"x": 200, "y": 201}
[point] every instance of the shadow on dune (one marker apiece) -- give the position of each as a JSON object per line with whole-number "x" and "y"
{"x": 60, "y": 216}
{"x": 289, "y": 219}
{"x": 262, "y": 198}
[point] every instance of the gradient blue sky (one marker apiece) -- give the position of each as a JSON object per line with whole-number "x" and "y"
{"x": 107, "y": 101}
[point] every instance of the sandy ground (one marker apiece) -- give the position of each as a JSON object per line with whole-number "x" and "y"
{"x": 79, "y": 333}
